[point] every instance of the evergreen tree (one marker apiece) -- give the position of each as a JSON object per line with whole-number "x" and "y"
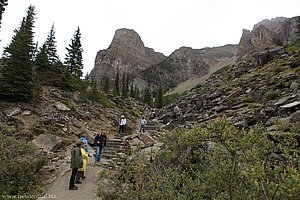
{"x": 132, "y": 89}
{"x": 124, "y": 93}
{"x": 50, "y": 43}
{"x": 106, "y": 85}
{"x": 159, "y": 98}
{"x": 136, "y": 93}
{"x": 147, "y": 96}
{"x": 86, "y": 77}
{"x": 117, "y": 92}
{"x": 41, "y": 60}
{"x": 73, "y": 59}
{"x": 17, "y": 72}
{"x": 3, "y": 3}
{"x": 127, "y": 84}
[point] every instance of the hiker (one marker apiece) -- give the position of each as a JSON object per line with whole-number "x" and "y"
{"x": 100, "y": 142}
{"x": 122, "y": 124}
{"x": 83, "y": 135}
{"x": 76, "y": 163}
{"x": 142, "y": 124}
{"x": 82, "y": 170}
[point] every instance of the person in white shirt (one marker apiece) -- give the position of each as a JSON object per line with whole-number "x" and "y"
{"x": 142, "y": 124}
{"x": 122, "y": 124}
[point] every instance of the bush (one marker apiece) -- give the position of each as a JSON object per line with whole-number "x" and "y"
{"x": 19, "y": 167}
{"x": 271, "y": 95}
{"x": 217, "y": 162}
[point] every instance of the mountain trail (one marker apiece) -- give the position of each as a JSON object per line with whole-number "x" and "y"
{"x": 59, "y": 190}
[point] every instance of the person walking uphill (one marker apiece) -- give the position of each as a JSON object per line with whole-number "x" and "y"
{"x": 76, "y": 163}
{"x": 142, "y": 124}
{"x": 100, "y": 142}
{"x": 122, "y": 124}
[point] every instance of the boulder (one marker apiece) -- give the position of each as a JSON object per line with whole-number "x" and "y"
{"x": 62, "y": 107}
{"x": 48, "y": 142}
{"x": 12, "y": 111}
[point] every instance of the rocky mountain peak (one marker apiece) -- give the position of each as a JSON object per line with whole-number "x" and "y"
{"x": 125, "y": 54}
{"x": 271, "y": 24}
{"x": 268, "y": 34}
{"x": 128, "y": 44}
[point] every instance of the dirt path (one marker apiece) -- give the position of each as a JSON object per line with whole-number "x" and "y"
{"x": 59, "y": 190}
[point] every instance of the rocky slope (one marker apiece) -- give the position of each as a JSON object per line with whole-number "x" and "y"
{"x": 262, "y": 90}
{"x": 54, "y": 123}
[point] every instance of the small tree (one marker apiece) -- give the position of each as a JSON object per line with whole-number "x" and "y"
{"x": 50, "y": 43}
{"x": 41, "y": 60}
{"x": 147, "y": 98}
{"x": 159, "y": 98}
{"x": 116, "y": 89}
{"x": 73, "y": 58}
{"x": 106, "y": 85}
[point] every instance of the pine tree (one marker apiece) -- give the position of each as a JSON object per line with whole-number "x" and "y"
{"x": 159, "y": 98}
{"x": 50, "y": 43}
{"x": 41, "y": 60}
{"x": 147, "y": 96}
{"x": 73, "y": 59}
{"x": 17, "y": 72}
{"x": 116, "y": 89}
{"x": 3, "y": 3}
{"x": 127, "y": 84}
{"x": 106, "y": 85}
{"x": 124, "y": 93}
{"x": 132, "y": 89}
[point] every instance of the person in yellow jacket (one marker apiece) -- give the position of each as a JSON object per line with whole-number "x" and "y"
{"x": 81, "y": 171}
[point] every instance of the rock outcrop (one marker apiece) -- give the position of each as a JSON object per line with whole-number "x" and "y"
{"x": 126, "y": 54}
{"x": 268, "y": 34}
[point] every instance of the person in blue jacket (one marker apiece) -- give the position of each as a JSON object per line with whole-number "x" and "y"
{"x": 83, "y": 136}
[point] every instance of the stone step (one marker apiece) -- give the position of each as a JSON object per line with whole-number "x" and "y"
{"x": 114, "y": 143}
{"x": 108, "y": 156}
{"x": 108, "y": 144}
{"x": 150, "y": 128}
{"x": 116, "y": 140}
{"x": 109, "y": 151}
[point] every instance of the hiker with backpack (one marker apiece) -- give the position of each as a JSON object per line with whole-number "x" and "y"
{"x": 100, "y": 142}
{"x": 82, "y": 170}
{"x": 76, "y": 163}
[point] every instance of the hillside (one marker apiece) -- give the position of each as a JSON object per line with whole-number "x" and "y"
{"x": 236, "y": 136}
{"x": 192, "y": 82}
{"x": 43, "y": 132}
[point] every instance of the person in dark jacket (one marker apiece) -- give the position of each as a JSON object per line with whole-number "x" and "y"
{"x": 100, "y": 142}
{"x": 76, "y": 163}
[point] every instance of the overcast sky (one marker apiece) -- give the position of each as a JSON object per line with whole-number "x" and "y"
{"x": 164, "y": 25}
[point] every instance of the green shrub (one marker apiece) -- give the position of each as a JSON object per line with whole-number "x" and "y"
{"x": 217, "y": 162}
{"x": 19, "y": 167}
{"x": 271, "y": 95}
{"x": 278, "y": 69}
